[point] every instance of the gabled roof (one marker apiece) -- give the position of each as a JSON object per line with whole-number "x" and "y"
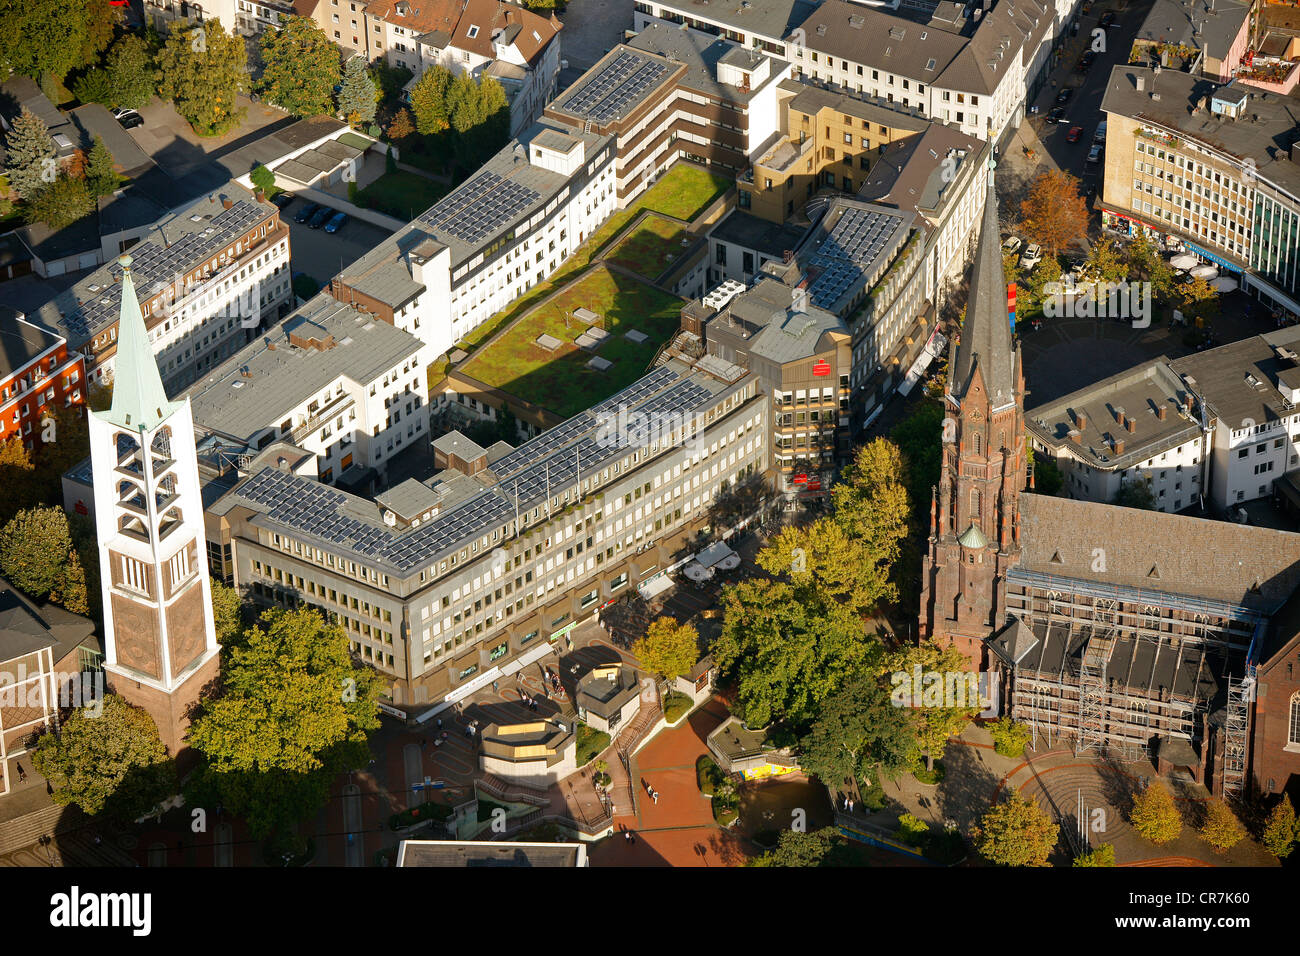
{"x": 1216, "y": 560}
{"x": 418, "y": 16}
{"x": 524, "y": 30}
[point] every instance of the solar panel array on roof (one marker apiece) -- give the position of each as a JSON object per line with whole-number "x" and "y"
{"x": 854, "y": 242}
{"x": 481, "y": 206}
{"x": 155, "y": 266}
{"x": 616, "y": 90}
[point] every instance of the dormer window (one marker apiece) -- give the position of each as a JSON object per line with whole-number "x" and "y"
{"x": 473, "y": 32}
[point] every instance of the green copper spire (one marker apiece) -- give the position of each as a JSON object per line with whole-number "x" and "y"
{"x": 139, "y": 399}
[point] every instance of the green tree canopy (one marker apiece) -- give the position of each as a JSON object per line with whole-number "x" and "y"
{"x": 202, "y": 69}
{"x": 1016, "y": 832}
{"x": 101, "y": 177}
{"x": 29, "y": 153}
{"x": 429, "y": 101}
{"x": 1221, "y": 829}
{"x": 1102, "y": 855}
{"x": 34, "y": 548}
{"x": 935, "y": 722}
{"x": 1136, "y": 493}
{"x": 294, "y": 711}
{"x": 39, "y": 37}
{"x": 919, "y": 438}
{"x": 668, "y": 648}
{"x": 110, "y": 763}
{"x": 301, "y": 67}
{"x": 823, "y": 847}
{"x": 263, "y": 178}
{"x": 1154, "y": 815}
{"x": 360, "y": 95}
{"x": 787, "y": 651}
{"x": 1281, "y": 830}
{"x": 61, "y": 203}
{"x": 858, "y": 734}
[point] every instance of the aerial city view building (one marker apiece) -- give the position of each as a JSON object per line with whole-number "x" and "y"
{"x": 463, "y": 433}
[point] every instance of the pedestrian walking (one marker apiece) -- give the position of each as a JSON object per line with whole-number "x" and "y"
{"x": 654, "y": 795}
{"x": 440, "y": 723}
{"x": 22, "y": 774}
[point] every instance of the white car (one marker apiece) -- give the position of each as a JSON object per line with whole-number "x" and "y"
{"x": 1032, "y": 255}
{"x": 1011, "y": 245}
{"x": 1100, "y": 135}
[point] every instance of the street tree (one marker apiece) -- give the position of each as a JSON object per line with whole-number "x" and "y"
{"x": 1054, "y": 213}
{"x": 109, "y": 763}
{"x": 202, "y": 69}
{"x": 1016, "y": 832}
{"x": 34, "y": 548}
{"x": 1154, "y": 815}
{"x": 824, "y": 847}
{"x": 1281, "y": 830}
{"x": 30, "y": 162}
{"x": 1221, "y": 829}
{"x": 1099, "y": 856}
{"x": 301, "y": 67}
{"x": 1106, "y": 261}
{"x": 293, "y": 712}
{"x": 934, "y": 721}
{"x": 668, "y": 648}
{"x": 858, "y": 734}
{"x": 360, "y": 95}
{"x": 787, "y": 651}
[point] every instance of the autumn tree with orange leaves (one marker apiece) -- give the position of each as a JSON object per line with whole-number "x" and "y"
{"x": 1054, "y": 214}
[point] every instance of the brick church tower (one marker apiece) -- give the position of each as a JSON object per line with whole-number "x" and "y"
{"x": 974, "y": 514}
{"x": 160, "y": 644}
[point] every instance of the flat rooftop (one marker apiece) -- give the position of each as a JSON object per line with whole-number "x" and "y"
{"x": 1263, "y": 134}
{"x": 1136, "y": 393}
{"x": 702, "y": 55}
{"x": 851, "y": 247}
{"x": 768, "y": 18}
{"x": 279, "y": 370}
{"x": 1239, "y": 380}
{"x": 774, "y": 326}
{"x": 552, "y": 462}
{"x": 620, "y": 83}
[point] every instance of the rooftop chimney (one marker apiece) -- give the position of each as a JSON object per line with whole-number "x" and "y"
{"x": 1119, "y": 415}
{"x": 1081, "y": 419}
{"x": 1131, "y": 425}
{"x": 1162, "y": 411}
{"x": 226, "y": 203}
{"x": 1141, "y": 82}
{"x": 1075, "y": 436}
{"x": 1118, "y": 444}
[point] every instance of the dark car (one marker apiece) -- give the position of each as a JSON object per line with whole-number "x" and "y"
{"x": 323, "y": 215}
{"x": 306, "y": 212}
{"x": 130, "y": 120}
{"x": 337, "y": 222}
{"x": 282, "y": 199}
{"x": 1064, "y": 95}
{"x": 1057, "y": 115}
{"x": 1108, "y": 20}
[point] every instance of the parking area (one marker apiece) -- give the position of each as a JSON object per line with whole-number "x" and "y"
{"x": 168, "y": 139}
{"x": 323, "y": 255}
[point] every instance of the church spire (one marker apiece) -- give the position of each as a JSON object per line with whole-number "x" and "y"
{"x": 139, "y": 399}
{"x": 986, "y": 335}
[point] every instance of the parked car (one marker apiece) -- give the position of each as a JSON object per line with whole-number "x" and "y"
{"x": 1100, "y": 135}
{"x": 1094, "y": 154}
{"x": 322, "y": 216}
{"x": 1011, "y": 245}
{"x": 1108, "y": 20}
{"x": 120, "y": 111}
{"x": 306, "y": 212}
{"x": 337, "y": 222}
{"x": 282, "y": 199}
{"x": 1074, "y": 134}
{"x": 130, "y": 120}
{"x": 1057, "y": 115}
{"x": 1065, "y": 94}
{"x": 1032, "y": 255}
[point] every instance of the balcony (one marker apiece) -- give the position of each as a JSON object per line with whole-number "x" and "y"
{"x": 319, "y": 418}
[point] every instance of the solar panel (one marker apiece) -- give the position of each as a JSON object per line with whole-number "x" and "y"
{"x": 481, "y": 206}
{"x": 617, "y": 89}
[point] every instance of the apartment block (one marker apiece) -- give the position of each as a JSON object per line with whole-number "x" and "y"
{"x": 331, "y": 381}
{"x": 209, "y": 275}
{"x": 38, "y": 375}
{"x": 490, "y": 240}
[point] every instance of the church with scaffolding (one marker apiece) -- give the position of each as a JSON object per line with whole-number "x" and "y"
{"x": 1113, "y": 630}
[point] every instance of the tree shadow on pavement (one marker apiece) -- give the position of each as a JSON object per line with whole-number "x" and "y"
{"x": 967, "y": 788}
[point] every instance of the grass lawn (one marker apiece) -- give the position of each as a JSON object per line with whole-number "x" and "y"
{"x": 684, "y": 192}
{"x": 650, "y": 248}
{"x": 560, "y": 380}
{"x": 401, "y": 194}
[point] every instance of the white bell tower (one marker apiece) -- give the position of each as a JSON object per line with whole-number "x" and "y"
{"x": 161, "y": 647}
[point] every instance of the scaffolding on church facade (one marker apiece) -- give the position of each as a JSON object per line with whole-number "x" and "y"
{"x": 1119, "y": 667}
